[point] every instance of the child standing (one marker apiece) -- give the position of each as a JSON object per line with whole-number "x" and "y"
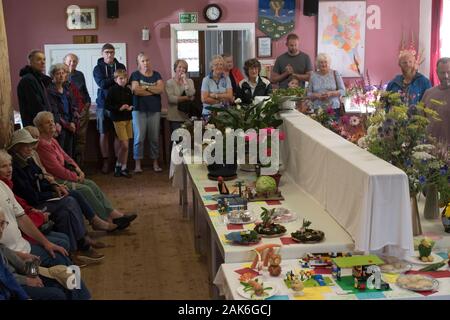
{"x": 293, "y": 83}
{"x": 119, "y": 102}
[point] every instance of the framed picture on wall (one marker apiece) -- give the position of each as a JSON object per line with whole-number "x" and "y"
{"x": 81, "y": 18}
{"x": 264, "y": 47}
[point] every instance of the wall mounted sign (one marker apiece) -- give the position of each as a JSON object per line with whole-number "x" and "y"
{"x": 188, "y": 17}
{"x": 276, "y": 17}
{"x": 341, "y": 34}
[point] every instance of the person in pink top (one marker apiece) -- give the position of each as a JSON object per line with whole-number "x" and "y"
{"x": 67, "y": 172}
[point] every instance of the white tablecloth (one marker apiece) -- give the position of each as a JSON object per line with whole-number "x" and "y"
{"x": 367, "y": 196}
{"x": 227, "y": 281}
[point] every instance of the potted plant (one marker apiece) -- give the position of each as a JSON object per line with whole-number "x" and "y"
{"x": 263, "y": 114}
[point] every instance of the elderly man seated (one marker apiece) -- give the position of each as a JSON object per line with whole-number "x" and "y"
{"x": 37, "y": 288}
{"x": 64, "y": 168}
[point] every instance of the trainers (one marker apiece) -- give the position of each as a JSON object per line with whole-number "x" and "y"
{"x": 157, "y": 168}
{"x": 76, "y": 261}
{"x": 90, "y": 255}
{"x": 138, "y": 170}
{"x": 117, "y": 171}
{"x": 125, "y": 173}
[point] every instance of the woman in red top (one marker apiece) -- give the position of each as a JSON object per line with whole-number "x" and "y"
{"x": 67, "y": 171}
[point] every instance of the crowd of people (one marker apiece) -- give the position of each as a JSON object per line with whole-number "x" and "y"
{"x": 45, "y": 195}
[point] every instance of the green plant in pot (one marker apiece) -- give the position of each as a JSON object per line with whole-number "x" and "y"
{"x": 245, "y": 117}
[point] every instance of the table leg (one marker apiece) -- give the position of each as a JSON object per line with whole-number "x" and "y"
{"x": 185, "y": 193}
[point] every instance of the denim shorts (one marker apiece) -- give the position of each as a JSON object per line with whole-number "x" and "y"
{"x": 104, "y": 122}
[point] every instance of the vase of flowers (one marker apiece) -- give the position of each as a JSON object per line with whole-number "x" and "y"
{"x": 431, "y": 210}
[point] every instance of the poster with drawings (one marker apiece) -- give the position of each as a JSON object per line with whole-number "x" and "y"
{"x": 341, "y": 34}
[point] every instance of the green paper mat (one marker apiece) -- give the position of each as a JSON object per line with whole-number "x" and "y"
{"x": 311, "y": 283}
{"x": 347, "y": 283}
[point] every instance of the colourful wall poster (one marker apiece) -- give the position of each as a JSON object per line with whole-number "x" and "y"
{"x": 276, "y": 17}
{"x": 342, "y": 33}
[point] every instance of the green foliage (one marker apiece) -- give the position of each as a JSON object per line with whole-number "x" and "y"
{"x": 258, "y": 116}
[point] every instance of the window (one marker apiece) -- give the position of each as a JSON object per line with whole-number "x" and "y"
{"x": 445, "y": 26}
{"x": 187, "y": 49}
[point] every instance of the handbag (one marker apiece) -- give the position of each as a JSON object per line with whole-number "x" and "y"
{"x": 187, "y": 107}
{"x": 341, "y": 104}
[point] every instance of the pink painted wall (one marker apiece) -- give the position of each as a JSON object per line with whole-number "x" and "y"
{"x": 31, "y": 24}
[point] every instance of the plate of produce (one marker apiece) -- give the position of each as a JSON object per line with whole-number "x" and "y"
{"x": 240, "y": 217}
{"x": 283, "y": 215}
{"x": 306, "y": 235}
{"x": 396, "y": 267}
{"x": 417, "y": 282}
{"x": 244, "y": 238}
{"x": 257, "y": 290}
{"x": 431, "y": 259}
{"x": 268, "y": 228}
{"x": 271, "y": 231}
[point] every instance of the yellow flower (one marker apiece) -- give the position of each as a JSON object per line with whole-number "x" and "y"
{"x": 447, "y": 211}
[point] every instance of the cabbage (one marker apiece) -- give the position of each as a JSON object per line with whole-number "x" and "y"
{"x": 266, "y": 184}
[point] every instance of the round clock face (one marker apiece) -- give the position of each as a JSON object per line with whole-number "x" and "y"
{"x": 213, "y": 13}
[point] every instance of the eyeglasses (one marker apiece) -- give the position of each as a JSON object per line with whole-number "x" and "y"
{"x": 4, "y": 224}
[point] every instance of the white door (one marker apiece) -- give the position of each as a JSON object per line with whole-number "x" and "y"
{"x": 88, "y": 54}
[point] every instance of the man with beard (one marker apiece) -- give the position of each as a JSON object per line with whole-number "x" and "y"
{"x": 291, "y": 64}
{"x": 438, "y": 99}
{"x": 411, "y": 84}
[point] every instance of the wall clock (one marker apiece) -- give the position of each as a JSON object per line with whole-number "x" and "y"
{"x": 212, "y": 13}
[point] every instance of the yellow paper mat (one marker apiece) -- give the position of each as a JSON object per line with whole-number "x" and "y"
{"x": 249, "y": 226}
{"x": 390, "y": 278}
{"x": 315, "y": 293}
{"x": 214, "y": 214}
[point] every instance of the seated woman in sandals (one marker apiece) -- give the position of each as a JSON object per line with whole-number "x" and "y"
{"x": 67, "y": 171}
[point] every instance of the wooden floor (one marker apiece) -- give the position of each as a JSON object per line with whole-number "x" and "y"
{"x": 155, "y": 257}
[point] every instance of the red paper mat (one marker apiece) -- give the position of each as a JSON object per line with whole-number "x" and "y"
{"x": 212, "y": 207}
{"x": 211, "y": 189}
{"x": 247, "y": 270}
{"x": 287, "y": 241}
{"x": 322, "y": 270}
{"x": 273, "y": 202}
{"x": 434, "y": 274}
{"x": 235, "y": 227}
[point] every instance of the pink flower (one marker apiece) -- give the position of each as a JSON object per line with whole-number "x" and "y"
{"x": 251, "y": 136}
{"x": 330, "y": 111}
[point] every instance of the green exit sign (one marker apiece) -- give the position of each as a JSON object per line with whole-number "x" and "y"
{"x": 188, "y": 17}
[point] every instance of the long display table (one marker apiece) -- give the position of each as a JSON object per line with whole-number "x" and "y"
{"x": 366, "y": 195}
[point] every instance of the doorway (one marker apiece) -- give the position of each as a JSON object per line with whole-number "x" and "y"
{"x": 198, "y": 43}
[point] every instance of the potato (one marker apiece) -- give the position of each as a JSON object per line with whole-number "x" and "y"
{"x": 430, "y": 258}
{"x": 424, "y": 259}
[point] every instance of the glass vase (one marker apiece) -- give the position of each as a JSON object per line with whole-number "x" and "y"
{"x": 431, "y": 210}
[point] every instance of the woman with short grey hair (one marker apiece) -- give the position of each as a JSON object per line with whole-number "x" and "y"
{"x": 216, "y": 87}
{"x": 63, "y": 106}
{"x": 326, "y": 85}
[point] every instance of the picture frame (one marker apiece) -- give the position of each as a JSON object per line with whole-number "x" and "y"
{"x": 264, "y": 47}
{"x": 81, "y": 18}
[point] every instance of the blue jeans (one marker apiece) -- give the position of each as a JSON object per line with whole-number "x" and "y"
{"x": 146, "y": 124}
{"x": 52, "y": 290}
{"x": 47, "y": 260}
{"x": 85, "y": 207}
